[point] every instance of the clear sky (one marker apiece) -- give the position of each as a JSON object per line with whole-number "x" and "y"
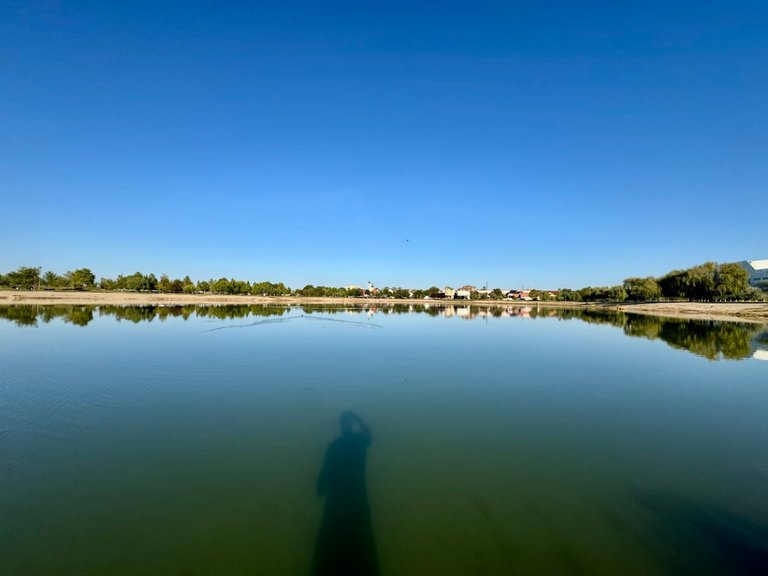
{"x": 537, "y": 144}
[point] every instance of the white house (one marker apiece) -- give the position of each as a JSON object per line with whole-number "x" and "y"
{"x": 757, "y": 269}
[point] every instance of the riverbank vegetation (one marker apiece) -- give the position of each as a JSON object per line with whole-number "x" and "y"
{"x": 708, "y": 282}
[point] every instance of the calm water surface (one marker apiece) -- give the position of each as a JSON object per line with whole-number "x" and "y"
{"x": 190, "y": 441}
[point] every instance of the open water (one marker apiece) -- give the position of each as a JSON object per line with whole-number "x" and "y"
{"x": 206, "y": 440}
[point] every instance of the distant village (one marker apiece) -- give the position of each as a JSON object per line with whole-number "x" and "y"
{"x": 467, "y": 292}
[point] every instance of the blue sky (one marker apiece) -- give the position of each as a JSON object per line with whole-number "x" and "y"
{"x": 537, "y": 144}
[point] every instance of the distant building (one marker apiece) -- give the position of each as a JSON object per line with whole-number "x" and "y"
{"x": 757, "y": 269}
{"x": 519, "y": 295}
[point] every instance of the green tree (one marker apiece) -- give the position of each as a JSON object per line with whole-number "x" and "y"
{"x": 138, "y": 282}
{"x": 700, "y": 282}
{"x": 674, "y": 284}
{"x": 537, "y": 294}
{"x": 80, "y": 278}
{"x": 108, "y": 284}
{"x": 567, "y": 295}
{"x": 731, "y": 282}
{"x": 401, "y": 293}
{"x": 187, "y": 286}
{"x": 642, "y": 289}
{"x": 164, "y": 284}
{"x": 24, "y": 278}
{"x": 618, "y": 294}
{"x": 52, "y": 280}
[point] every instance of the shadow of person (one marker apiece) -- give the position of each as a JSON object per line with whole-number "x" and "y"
{"x": 345, "y": 544}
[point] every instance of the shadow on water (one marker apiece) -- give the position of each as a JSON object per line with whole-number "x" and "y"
{"x": 345, "y": 545}
{"x": 688, "y": 537}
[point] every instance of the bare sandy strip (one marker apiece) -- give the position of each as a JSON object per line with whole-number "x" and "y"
{"x": 727, "y": 311}
{"x": 732, "y": 311}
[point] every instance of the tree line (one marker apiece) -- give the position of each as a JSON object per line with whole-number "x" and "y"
{"x": 706, "y": 282}
{"x": 29, "y": 278}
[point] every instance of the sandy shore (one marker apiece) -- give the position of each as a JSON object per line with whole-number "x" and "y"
{"x": 752, "y": 312}
{"x": 729, "y": 311}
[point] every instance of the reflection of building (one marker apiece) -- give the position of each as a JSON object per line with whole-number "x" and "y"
{"x": 463, "y": 312}
{"x": 757, "y": 269}
{"x": 462, "y": 294}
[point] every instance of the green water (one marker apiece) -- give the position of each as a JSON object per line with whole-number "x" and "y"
{"x": 189, "y": 440}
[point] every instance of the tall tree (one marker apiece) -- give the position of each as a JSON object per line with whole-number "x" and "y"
{"x": 52, "y": 280}
{"x": 80, "y": 278}
{"x": 24, "y": 277}
{"x": 731, "y": 281}
{"x": 700, "y": 281}
{"x": 642, "y": 289}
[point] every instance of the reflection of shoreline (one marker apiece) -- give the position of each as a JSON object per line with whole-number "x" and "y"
{"x": 760, "y": 345}
{"x": 743, "y": 312}
{"x": 712, "y": 339}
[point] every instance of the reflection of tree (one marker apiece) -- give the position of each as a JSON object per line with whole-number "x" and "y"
{"x": 79, "y": 315}
{"x": 30, "y": 314}
{"x": 21, "y": 315}
{"x": 720, "y": 338}
{"x": 333, "y": 309}
{"x": 708, "y": 338}
{"x": 133, "y": 314}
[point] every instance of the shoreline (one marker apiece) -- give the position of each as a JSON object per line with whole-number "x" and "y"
{"x": 724, "y": 311}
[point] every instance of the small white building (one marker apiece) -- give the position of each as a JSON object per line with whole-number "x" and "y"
{"x": 757, "y": 269}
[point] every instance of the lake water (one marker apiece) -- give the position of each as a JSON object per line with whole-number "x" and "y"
{"x": 188, "y": 441}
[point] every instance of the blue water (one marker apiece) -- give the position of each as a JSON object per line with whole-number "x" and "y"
{"x": 501, "y": 445}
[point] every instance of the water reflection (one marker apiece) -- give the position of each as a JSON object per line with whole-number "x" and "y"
{"x": 760, "y": 346}
{"x": 712, "y": 339}
{"x": 345, "y": 544}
